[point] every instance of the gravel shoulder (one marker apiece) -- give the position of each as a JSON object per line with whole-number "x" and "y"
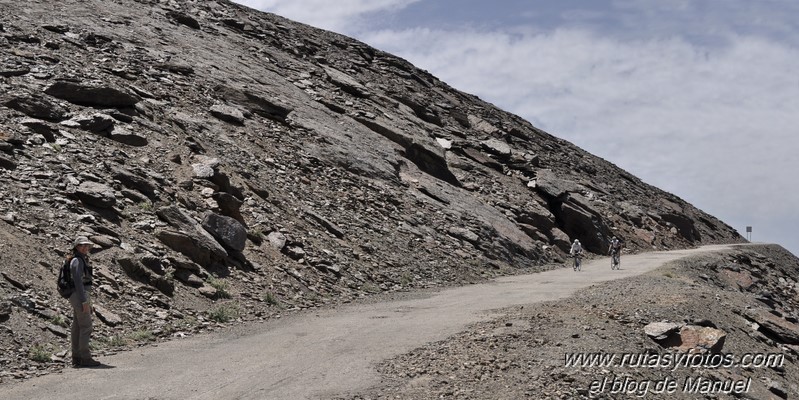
{"x": 747, "y": 292}
{"x": 333, "y": 352}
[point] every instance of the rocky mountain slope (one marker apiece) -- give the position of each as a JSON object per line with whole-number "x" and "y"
{"x": 232, "y": 164}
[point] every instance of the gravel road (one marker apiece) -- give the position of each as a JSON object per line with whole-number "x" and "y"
{"x": 316, "y": 354}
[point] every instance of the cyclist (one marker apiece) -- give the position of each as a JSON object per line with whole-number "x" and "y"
{"x": 576, "y": 252}
{"x": 614, "y": 250}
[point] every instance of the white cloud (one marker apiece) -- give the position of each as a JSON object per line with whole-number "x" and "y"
{"x": 337, "y": 16}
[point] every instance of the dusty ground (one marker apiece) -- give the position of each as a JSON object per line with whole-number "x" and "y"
{"x": 323, "y": 354}
{"x": 522, "y": 354}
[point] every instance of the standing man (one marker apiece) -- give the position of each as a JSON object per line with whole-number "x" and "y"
{"x": 81, "y": 303}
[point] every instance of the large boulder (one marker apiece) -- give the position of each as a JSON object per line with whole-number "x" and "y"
{"x": 92, "y": 96}
{"x": 136, "y": 270}
{"x": 686, "y": 338}
{"x": 188, "y": 237}
{"x": 8, "y": 163}
{"x": 228, "y": 114}
{"x": 228, "y": 231}
{"x": 95, "y": 123}
{"x": 37, "y": 107}
{"x": 96, "y": 194}
{"x": 255, "y": 103}
{"x": 579, "y": 220}
{"x": 127, "y": 137}
{"x": 700, "y": 339}
{"x": 775, "y": 327}
{"x": 135, "y": 181}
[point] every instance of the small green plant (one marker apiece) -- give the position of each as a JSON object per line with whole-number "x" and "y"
{"x": 370, "y": 287}
{"x": 142, "y": 335}
{"x": 116, "y": 341}
{"x": 406, "y": 278}
{"x": 40, "y": 352}
{"x": 59, "y": 320}
{"x": 669, "y": 274}
{"x": 313, "y": 297}
{"x": 256, "y": 235}
{"x": 222, "y": 313}
{"x": 146, "y": 206}
{"x": 271, "y": 299}
{"x": 186, "y": 323}
{"x": 221, "y": 288}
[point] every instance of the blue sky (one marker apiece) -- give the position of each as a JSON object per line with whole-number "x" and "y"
{"x": 697, "y": 97}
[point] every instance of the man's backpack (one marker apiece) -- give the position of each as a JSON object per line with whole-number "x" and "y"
{"x": 64, "y": 283}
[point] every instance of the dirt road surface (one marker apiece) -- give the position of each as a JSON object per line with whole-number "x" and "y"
{"x": 320, "y": 354}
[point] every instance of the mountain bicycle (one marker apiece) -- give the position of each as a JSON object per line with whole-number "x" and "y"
{"x": 577, "y": 260}
{"x": 615, "y": 259}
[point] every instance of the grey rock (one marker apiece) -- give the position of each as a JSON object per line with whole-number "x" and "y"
{"x": 41, "y": 127}
{"x": 5, "y": 310}
{"x": 14, "y": 72}
{"x": 775, "y": 327}
{"x": 465, "y": 234}
{"x": 228, "y": 114}
{"x": 497, "y": 147}
{"x": 96, "y": 194}
{"x": 188, "y": 278}
{"x": 277, "y": 240}
{"x": 255, "y": 103}
{"x": 8, "y": 163}
{"x": 109, "y": 318}
{"x": 229, "y": 205}
{"x": 295, "y": 252}
{"x": 331, "y": 227}
{"x": 553, "y": 186}
{"x": 37, "y": 107}
{"x": 661, "y": 330}
{"x": 701, "y": 339}
{"x": 127, "y": 137}
{"x": 208, "y": 291}
{"x": 199, "y": 248}
{"x": 228, "y": 231}
{"x": 205, "y": 167}
{"x": 182, "y": 263}
{"x": 183, "y": 19}
{"x": 57, "y": 330}
{"x": 135, "y": 181}
{"x": 95, "y": 123}
{"x": 346, "y": 82}
{"x": 93, "y": 96}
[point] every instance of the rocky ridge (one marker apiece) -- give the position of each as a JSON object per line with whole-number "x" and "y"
{"x": 232, "y": 165}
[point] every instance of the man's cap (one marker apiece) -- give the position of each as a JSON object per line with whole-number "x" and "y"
{"x": 81, "y": 240}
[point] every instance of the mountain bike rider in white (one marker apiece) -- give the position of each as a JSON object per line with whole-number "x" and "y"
{"x": 576, "y": 252}
{"x": 615, "y": 246}
{"x": 614, "y": 250}
{"x": 577, "y": 248}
